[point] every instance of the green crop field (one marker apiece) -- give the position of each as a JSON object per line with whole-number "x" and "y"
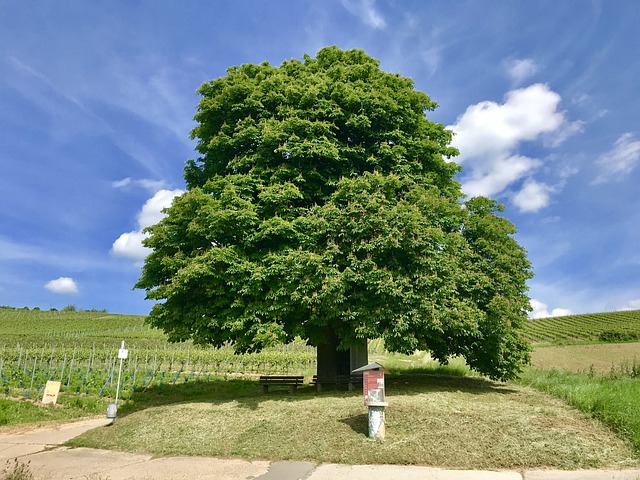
{"x": 70, "y": 325}
{"x": 601, "y": 327}
{"x": 80, "y": 349}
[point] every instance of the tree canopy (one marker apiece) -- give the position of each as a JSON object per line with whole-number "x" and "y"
{"x": 324, "y": 202}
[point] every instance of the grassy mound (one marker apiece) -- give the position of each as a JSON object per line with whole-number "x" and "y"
{"x": 445, "y": 421}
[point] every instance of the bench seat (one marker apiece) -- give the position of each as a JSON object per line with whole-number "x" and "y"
{"x": 350, "y": 381}
{"x": 291, "y": 381}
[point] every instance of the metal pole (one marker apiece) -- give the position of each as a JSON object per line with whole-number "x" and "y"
{"x": 112, "y": 408}
{"x": 119, "y": 373}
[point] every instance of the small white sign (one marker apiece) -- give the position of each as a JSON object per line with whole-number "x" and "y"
{"x": 123, "y": 353}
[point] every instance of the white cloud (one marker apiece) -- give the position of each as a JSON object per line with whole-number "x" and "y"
{"x": 489, "y": 135}
{"x": 151, "y": 212}
{"x": 366, "y": 11}
{"x": 632, "y": 305}
{"x": 580, "y": 99}
{"x": 490, "y": 128}
{"x": 62, "y": 285}
{"x": 491, "y": 176}
{"x": 540, "y": 310}
{"x": 146, "y": 183}
{"x": 10, "y": 250}
{"x": 521, "y": 69}
{"x": 121, "y": 183}
{"x": 432, "y": 58}
{"x": 621, "y": 160}
{"x": 557, "y": 137}
{"x": 151, "y": 185}
{"x": 532, "y": 197}
{"x": 129, "y": 245}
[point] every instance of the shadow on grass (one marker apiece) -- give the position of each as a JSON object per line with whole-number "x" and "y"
{"x": 358, "y": 423}
{"x": 411, "y": 383}
{"x": 246, "y": 392}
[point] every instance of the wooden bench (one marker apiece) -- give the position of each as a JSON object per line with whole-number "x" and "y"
{"x": 350, "y": 381}
{"x": 291, "y": 381}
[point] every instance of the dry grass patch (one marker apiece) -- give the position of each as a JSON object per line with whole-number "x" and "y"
{"x": 441, "y": 421}
{"x": 601, "y": 358}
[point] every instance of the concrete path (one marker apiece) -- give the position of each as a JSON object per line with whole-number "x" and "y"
{"x": 47, "y": 459}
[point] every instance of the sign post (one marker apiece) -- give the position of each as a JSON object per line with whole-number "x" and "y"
{"x": 374, "y": 398}
{"x": 112, "y": 408}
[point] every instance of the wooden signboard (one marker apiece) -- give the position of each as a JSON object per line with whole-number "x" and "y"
{"x": 51, "y": 391}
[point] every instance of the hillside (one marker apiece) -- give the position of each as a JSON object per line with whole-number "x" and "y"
{"x": 14, "y": 322}
{"x": 605, "y": 327}
{"x": 53, "y": 324}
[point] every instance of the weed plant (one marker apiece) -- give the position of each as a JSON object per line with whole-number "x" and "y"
{"x": 16, "y": 470}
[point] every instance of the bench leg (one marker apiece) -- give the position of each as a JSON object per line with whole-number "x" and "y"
{"x": 265, "y": 388}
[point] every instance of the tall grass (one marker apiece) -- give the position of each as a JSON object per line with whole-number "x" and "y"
{"x": 614, "y": 398}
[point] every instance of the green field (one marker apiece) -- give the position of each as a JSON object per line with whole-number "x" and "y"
{"x": 606, "y": 327}
{"x": 167, "y": 388}
{"x": 80, "y": 348}
{"x": 55, "y": 325}
{"x": 602, "y": 358}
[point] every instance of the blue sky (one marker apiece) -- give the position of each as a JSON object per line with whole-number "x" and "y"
{"x": 97, "y": 100}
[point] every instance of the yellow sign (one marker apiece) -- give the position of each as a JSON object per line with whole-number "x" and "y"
{"x": 51, "y": 391}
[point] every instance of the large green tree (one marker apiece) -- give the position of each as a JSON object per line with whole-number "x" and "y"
{"x": 324, "y": 205}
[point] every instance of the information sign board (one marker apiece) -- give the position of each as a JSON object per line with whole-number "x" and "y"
{"x": 373, "y": 382}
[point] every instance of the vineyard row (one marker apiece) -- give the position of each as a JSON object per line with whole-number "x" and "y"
{"x": 93, "y": 371}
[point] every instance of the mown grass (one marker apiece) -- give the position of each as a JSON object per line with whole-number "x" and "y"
{"x": 445, "y": 421}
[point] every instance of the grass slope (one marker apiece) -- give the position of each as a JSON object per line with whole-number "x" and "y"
{"x": 431, "y": 420}
{"x": 21, "y": 323}
{"x": 447, "y": 421}
{"x": 622, "y": 359}
{"x": 623, "y": 326}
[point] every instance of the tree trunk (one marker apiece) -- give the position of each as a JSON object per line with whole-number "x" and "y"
{"x": 333, "y": 363}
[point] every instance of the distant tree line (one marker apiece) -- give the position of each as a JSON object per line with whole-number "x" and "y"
{"x": 66, "y": 308}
